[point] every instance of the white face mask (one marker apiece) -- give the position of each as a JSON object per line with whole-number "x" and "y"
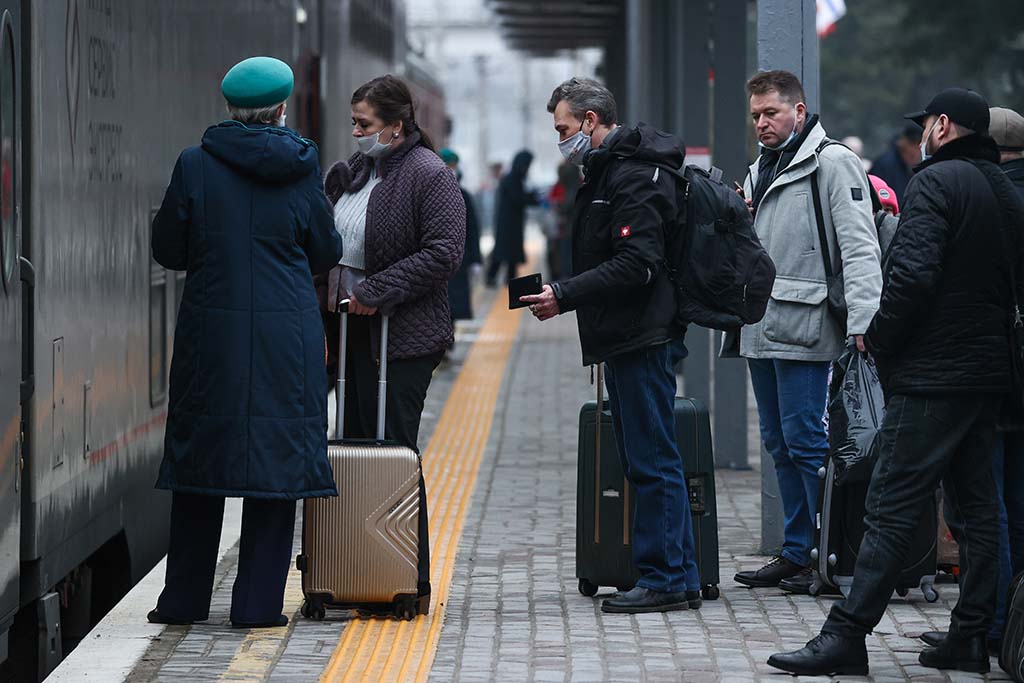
{"x": 792, "y": 136}
{"x": 925, "y": 156}
{"x": 371, "y": 146}
{"x": 575, "y": 147}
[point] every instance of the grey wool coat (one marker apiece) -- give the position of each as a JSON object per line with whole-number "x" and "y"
{"x": 797, "y": 324}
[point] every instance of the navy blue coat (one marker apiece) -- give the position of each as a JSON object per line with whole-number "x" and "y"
{"x": 245, "y": 216}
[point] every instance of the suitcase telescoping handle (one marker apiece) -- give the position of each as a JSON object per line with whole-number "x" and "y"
{"x": 382, "y": 378}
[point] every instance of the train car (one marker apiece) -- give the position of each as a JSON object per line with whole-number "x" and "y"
{"x": 428, "y": 94}
{"x": 97, "y": 98}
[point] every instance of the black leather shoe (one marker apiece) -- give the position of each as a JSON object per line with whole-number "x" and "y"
{"x": 799, "y": 584}
{"x": 825, "y": 655}
{"x": 933, "y": 638}
{"x": 694, "y": 599}
{"x": 769, "y": 575}
{"x": 641, "y": 600}
{"x": 962, "y": 654}
{"x": 155, "y": 617}
{"x": 281, "y": 620}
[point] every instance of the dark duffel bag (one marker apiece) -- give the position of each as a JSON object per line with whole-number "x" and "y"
{"x": 1011, "y": 656}
{"x": 605, "y": 501}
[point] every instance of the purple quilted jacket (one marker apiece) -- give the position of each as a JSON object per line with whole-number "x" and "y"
{"x": 415, "y": 237}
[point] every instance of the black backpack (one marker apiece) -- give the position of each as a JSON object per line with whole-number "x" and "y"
{"x": 723, "y": 276}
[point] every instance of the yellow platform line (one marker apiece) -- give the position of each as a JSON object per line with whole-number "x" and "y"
{"x": 378, "y": 649}
{"x": 256, "y": 655}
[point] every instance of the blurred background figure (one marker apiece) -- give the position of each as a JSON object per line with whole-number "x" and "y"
{"x": 488, "y": 196}
{"x": 510, "y": 219}
{"x": 886, "y": 209}
{"x": 460, "y": 286}
{"x": 560, "y": 200}
{"x": 857, "y": 145}
{"x": 897, "y": 164}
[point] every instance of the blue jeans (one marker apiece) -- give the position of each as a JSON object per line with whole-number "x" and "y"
{"x": 641, "y": 392}
{"x": 791, "y": 397}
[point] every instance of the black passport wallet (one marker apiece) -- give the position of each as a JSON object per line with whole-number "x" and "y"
{"x": 522, "y": 286}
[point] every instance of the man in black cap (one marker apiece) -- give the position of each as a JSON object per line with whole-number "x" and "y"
{"x": 940, "y": 339}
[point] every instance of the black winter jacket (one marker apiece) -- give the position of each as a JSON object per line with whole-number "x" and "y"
{"x": 620, "y": 289}
{"x": 1014, "y": 170}
{"x": 943, "y": 323}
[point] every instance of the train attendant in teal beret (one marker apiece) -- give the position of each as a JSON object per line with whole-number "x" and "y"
{"x": 246, "y": 218}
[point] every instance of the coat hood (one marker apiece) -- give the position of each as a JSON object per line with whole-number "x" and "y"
{"x": 521, "y": 164}
{"x": 273, "y": 155}
{"x": 647, "y": 143}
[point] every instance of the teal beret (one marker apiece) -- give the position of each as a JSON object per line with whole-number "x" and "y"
{"x": 257, "y": 82}
{"x": 448, "y": 156}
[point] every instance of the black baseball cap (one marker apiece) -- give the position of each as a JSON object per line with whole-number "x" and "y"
{"x": 965, "y": 107}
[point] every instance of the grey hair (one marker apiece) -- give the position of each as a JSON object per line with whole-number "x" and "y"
{"x": 264, "y": 115}
{"x": 583, "y": 95}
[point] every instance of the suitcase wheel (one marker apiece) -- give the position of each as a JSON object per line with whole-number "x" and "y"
{"x": 405, "y": 609}
{"x": 710, "y": 592}
{"x": 930, "y": 594}
{"x": 313, "y": 610}
{"x": 902, "y": 592}
{"x": 588, "y": 589}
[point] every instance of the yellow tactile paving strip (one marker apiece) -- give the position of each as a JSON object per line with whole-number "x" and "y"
{"x": 377, "y": 649}
{"x": 256, "y": 654}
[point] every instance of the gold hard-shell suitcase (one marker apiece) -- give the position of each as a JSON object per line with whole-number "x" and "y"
{"x": 361, "y": 549}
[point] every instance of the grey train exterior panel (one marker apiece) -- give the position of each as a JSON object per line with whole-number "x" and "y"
{"x": 112, "y": 91}
{"x": 10, "y": 317}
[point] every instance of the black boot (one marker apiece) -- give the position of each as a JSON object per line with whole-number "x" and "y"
{"x": 826, "y": 655}
{"x": 799, "y": 584}
{"x": 281, "y": 620}
{"x": 769, "y": 575}
{"x": 933, "y": 638}
{"x": 640, "y": 600}
{"x": 962, "y": 654}
{"x": 155, "y": 617}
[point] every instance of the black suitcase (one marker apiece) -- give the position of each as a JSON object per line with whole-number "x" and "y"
{"x": 839, "y": 529}
{"x": 604, "y": 500}
{"x": 1011, "y": 655}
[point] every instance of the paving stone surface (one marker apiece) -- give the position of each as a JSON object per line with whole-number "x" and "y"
{"x": 514, "y": 613}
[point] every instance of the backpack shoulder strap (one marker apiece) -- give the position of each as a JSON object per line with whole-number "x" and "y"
{"x": 819, "y": 214}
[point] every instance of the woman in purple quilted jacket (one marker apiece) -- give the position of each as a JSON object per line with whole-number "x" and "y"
{"x": 402, "y": 219}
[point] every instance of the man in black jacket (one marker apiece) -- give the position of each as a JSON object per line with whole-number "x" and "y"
{"x": 625, "y": 310}
{"x": 940, "y": 338}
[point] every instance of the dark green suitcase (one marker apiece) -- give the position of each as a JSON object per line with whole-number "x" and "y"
{"x": 604, "y": 501}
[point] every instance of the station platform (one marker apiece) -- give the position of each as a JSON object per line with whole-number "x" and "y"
{"x": 499, "y": 436}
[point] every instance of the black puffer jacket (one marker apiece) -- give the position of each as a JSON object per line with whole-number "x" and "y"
{"x": 620, "y": 290}
{"x": 943, "y": 321}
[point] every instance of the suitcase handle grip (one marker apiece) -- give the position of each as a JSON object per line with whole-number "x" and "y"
{"x": 382, "y": 381}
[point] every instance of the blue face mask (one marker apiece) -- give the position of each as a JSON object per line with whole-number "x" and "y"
{"x": 792, "y": 136}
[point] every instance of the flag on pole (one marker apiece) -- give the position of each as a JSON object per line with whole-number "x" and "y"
{"x": 829, "y": 12}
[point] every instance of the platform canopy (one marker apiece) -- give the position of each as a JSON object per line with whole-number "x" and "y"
{"x": 544, "y": 27}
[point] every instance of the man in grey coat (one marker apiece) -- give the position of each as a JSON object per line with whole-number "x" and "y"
{"x": 789, "y": 351}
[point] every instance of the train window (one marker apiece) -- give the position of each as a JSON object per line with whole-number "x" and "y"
{"x": 8, "y": 165}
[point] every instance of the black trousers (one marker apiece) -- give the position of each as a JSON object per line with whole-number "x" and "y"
{"x": 495, "y": 265}
{"x": 925, "y": 440}
{"x": 408, "y": 381}
{"x": 264, "y": 556}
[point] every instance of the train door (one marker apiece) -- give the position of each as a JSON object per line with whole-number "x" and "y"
{"x": 10, "y": 320}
